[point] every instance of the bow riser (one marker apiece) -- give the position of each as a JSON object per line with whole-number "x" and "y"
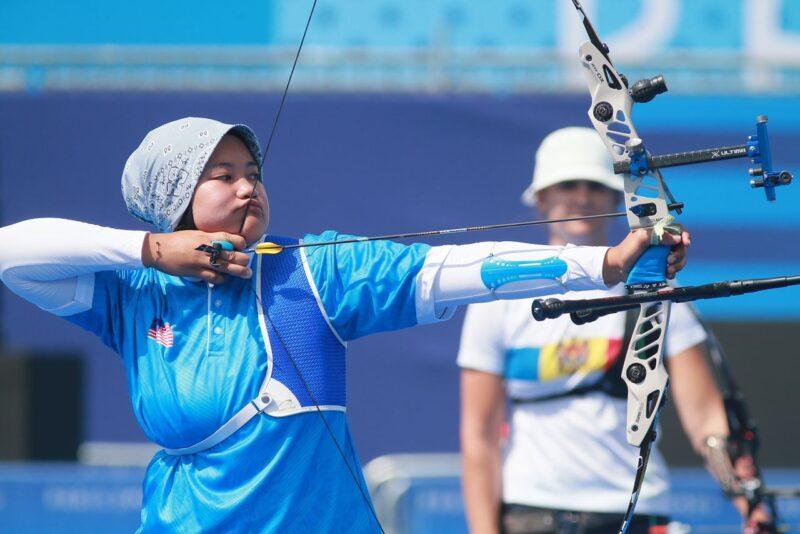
{"x": 646, "y": 204}
{"x": 610, "y": 112}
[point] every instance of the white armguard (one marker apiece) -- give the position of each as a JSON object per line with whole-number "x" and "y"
{"x": 466, "y": 274}
{"x": 51, "y": 262}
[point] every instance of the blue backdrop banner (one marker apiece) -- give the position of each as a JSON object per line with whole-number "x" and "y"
{"x": 369, "y": 164}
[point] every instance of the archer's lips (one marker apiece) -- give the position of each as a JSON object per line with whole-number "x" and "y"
{"x": 255, "y": 205}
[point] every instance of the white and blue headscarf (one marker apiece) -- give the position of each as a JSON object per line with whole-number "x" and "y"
{"x": 161, "y": 174}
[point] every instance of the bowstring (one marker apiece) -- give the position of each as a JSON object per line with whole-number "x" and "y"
{"x": 319, "y": 411}
{"x": 307, "y": 387}
{"x": 280, "y": 110}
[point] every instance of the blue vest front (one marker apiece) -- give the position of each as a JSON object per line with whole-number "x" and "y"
{"x": 306, "y": 358}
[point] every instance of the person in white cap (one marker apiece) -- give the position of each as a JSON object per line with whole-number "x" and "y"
{"x": 561, "y": 463}
{"x": 236, "y": 365}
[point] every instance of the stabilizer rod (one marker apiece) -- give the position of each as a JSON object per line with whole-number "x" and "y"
{"x": 691, "y": 157}
{"x": 588, "y": 310}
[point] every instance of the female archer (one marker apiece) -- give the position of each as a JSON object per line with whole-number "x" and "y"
{"x": 235, "y": 366}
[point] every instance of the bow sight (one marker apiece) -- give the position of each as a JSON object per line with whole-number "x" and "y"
{"x": 756, "y": 148}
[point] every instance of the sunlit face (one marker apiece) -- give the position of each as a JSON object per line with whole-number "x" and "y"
{"x": 577, "y": 198}
{"x": 222, "y": 197}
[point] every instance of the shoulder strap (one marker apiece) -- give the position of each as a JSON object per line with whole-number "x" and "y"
{"x": 610, "y": 383}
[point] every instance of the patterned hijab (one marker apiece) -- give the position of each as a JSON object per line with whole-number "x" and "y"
{"x": 160, "y": 176}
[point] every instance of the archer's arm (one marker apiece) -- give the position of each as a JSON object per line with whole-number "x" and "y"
{"x": 507, "y": 270}
{"x": 51, "y": 262}
{"x": 482, "y": 416}
{"x": 482, "y": 358}
{"x": 702, "y": 414}
{"x": 382, "y": 285}
{"x": 697, "y": 399}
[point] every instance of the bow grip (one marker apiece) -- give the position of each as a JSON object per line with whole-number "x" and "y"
{"x": 651, "y": 267}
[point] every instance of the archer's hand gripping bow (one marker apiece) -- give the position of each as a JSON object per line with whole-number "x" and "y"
{"x": 648, "y": 202}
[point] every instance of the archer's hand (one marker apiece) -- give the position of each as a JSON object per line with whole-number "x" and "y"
{"x": 620, "y": 259}
{"x": 759, "y": 521}
{"x": 174, "y": 253}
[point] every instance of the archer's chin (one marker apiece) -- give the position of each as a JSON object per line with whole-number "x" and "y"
{"x": 255, "y": 226}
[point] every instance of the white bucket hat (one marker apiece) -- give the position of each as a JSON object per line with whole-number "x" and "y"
{"x": 572, "y": 153}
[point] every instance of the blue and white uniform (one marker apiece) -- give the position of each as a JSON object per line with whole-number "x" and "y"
{"x": 195, "y": 355}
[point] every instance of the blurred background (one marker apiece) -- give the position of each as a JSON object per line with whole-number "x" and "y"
{"x": 402, "y": 116}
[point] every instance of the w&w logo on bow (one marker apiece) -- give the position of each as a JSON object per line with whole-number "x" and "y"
{"x": 161, "y": 333}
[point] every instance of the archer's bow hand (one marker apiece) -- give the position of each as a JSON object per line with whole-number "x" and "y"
{"x": 759, "y": 522}
{"x": 620, "y": 259}
{"x": 192, "y": 253}
{"x": 755, "y": 519}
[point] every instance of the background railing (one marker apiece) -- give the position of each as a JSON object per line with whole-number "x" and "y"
{"x": 365, "y": 69}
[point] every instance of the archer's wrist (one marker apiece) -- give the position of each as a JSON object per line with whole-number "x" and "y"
{"x": 613, "y": 269}
{"x": 152, "y": 249}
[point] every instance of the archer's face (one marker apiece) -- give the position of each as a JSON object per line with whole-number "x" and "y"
{"x": 222, "y": 198}
{"x": 577, "y": 198}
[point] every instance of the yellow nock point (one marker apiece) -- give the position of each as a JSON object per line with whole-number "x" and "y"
{"x": 268, "y": 248}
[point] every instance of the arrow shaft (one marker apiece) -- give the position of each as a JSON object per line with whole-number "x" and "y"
{"x": 448, "y": 231}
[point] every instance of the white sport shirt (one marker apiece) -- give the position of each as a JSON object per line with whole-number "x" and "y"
{"x": 567, "y": 453}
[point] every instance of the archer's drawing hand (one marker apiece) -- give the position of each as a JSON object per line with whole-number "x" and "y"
{"x": 175, "y": 253}
{"x": 620, "y": 259}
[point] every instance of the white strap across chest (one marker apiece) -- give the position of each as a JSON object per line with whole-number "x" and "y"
{"x": 250, "y": 410}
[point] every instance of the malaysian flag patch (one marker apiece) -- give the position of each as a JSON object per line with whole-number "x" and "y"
{"x": 161, "y": 333}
